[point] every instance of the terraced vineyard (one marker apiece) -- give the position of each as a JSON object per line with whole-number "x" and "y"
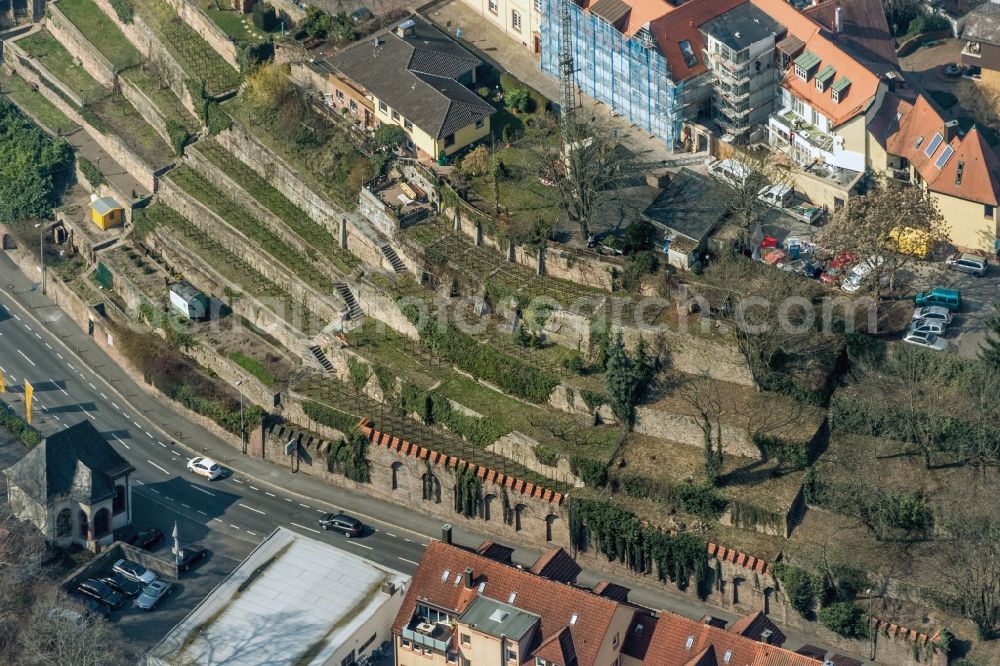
{"x": 121, "y": 118}
{"x": 34, "y": 103}
{"x": 231, "y": 267}
{"x": 193, "y": 53}
{"x": 103, "y": 33}
{"x": 195, "y": 184}
{"x": 164, "y": 98}
{"x": 56, "y": 59}
{"x": 308, "y": 229}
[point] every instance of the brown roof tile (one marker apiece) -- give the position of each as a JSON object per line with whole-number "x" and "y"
{"x": 556, "y": 564}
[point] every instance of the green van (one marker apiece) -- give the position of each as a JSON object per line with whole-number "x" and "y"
{"x": 948, "y": 298}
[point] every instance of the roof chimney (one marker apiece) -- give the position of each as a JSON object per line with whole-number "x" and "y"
{"x": 468, "y": 577}
{"x": 838, "y": 20}
{"x": 950, "y": 130}
{"x": 446, "y": 533}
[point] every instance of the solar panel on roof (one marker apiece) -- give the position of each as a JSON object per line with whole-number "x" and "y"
{"x": 935, "y": 142}
{"x": 944, "y": 157}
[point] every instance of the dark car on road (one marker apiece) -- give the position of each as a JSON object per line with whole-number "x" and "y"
{"x": 342, "y": 523}
{"x": 190, "y": 556}
{"x": 147, "y": 539}
{"x": 122, "y": 585}
{"x": 101, "y": 592}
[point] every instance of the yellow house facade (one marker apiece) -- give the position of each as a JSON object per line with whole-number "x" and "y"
{"x": 106, "y": 213}
{"x": 416, "y": 77}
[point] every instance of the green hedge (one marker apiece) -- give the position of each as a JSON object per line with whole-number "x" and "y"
{"x": 253, "y": 366}
{"x": 699, "y": 500}
{"x": 90, "y": 172}
{"x": 482, "y": 361}
{"x": 794, "y": 454}
{"x": 593, "y": 472}
{"x": 433, "y": 408}
{"x": 330, "y": 417}
{"x": 749, "y": 516}
{"x": 350, "y": 457}
{"x": 18, "y": 426}
{"x": 623, "y": 537}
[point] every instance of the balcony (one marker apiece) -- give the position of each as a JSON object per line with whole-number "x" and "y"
{"x": 434, "y": 636}
{"x": 799, "y": 128}
{"x": 973, "y": 50}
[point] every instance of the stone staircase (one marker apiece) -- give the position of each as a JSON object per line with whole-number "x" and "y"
{"x": 321, "y": 357}
{"x": 394, "y": 260}
{"x": 356, "y": 313}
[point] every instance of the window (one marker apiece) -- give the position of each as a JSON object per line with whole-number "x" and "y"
{"x": 102, "y": 523}
{"x": 988, "y": 211}
{"x": 348, "y": 660}
{"x": 515, "y": 20}
{"x": 449, "y": 140}
{"x": 493, "y": 6}
{"x": 340, "y": 96}
{"x": 479, "y": 124}
{"x": 798, "y": 107}
{"x": 405, "y": 643}
{"x": 431, "y": 615}
{"x": 690, "y": 59}
{"x": 935, "y": 142}
{"x": 354, "y": 106}
{"x": 383, "y": 107}
{"x": 512, "y": 655}
{"x": 944, "y": 157}
{"x": 466, "y": 639}
{"x": 539, "y": 661}
{"x": 64, "y": 523}
{"x": 835, "y": 96}
{"x": 84, "y": 524}
{"x": 801, "y": 73}
{"x": 538, "y": 5}
{"x": 452, "y": 658}
{"x": 407, "y": 125}
{"x": 395, "y": 115}
{"x": 119, "y": 503}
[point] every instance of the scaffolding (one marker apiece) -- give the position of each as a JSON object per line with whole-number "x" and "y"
{"x": 627, "y": 73}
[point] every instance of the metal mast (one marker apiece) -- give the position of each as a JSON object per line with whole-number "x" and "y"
{"x": 567, "y": 92}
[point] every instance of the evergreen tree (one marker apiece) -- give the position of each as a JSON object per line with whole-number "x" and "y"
{"x": 623, "y": 377}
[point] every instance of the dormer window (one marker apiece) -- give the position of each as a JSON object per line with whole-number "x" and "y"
{"x": 805, "y": 64}
{"x": 840, "y": 88}
{"x": 824, "y": 77}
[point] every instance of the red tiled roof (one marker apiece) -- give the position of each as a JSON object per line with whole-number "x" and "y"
{"x": 639, "y": 635}
{"x": 612, "y": 591}
{"x": 669, "y": 646}
{"x": 864, "y": 84}
{"x": 866, "y": 31}
{"x": 751, "y": 626}
{"x": 557, "y": 648}
{"x": 910, "y": 136}
{"x": 556, "y": 564}
{"x": 554, "y": 602}
{"x": 682, "y": 25}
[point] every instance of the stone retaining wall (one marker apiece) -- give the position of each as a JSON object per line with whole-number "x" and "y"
{"x": 146, "y": 108}
{"x": 684, "y": 429}
{"x": 326, "y": 307}
{"x": 109, "y": 143}
{"x": 79, "y": 47}
{"x": 208, "y": 30}
{"x": 33, "y": 71}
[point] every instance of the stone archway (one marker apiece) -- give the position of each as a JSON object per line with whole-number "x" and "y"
{"x": 550, "y": 523}
{"x": 519, "y": 510}
{"x": 486, "y": 507}
{"x": 64, "y": 524}
{"x": 83, "y": 529}
{"x": 431, "y": 487}
{"x": 102, "y": 524}
{"x": 396, "y": 468}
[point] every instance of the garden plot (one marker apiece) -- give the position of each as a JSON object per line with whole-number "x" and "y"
{"x": 258, "y": 357}
{"x": 116, "y": 115}
{"x": 195, "y": 185}
{"x": 214, "y": 254}
{"x": 238, "y": 26}
{"x": 194, "y": 54}
{"x": 309, "y": 230}
{"x": 36, "y": 105}
{"x": 102, "y": 32}
{"x": 162, "y": 96}
{"x": 42, "y": 46}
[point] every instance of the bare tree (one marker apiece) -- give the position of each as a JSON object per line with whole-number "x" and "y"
{"x": 974, "y": 575}
{"x": 589, "y": 165}
{"x": 49, "y": 637}
{"x": 885, "y": 227}
{"x": 702, "y": 394}
{"x": 754, "y": 173}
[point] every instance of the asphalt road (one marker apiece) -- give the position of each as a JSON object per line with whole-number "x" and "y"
{"x": 74, "y": 379}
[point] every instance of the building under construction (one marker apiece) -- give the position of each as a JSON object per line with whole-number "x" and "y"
{"x": 623, "y": 69}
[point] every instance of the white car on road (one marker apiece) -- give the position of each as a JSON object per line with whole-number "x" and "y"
{"x": 935, "y": 326}
{"x": 933, "y": 312}
{"x": 205, "y": 467}
{"x": 926, "y": 340}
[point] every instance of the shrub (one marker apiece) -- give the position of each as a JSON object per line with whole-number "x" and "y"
{"x": 518, "y": 99}
{"x": 330, "y": 417}
{"x": 799, "y": 586}
{"x": 794, "y": 454}
{"x": 389, "y": 136}
{"x": 123, "y": 8}
{"x": 573, "y": 362}
{"x": 484, "y": 92}
{"x": 90, "y": 172}
{"x": 638, "y": 237}
{"x": 701, "y": 500}
{"x": 593, "y": 472}
{"x": 253, "y": 366}
{"x": 18, "y": 426}
{"x": 477, "y": 161}
{"x": 545, "y": 455}
{"x": 252, "y": 56}
{"x": 178, "y": 136}
{"x": 350, "y": 457}
{"x": 862, "y": 347}
{"x": 509, "y": 82}
{"x": 359, "y": 372}
{"x": 927, "y": 23}
{"x": 844, "y": 618}
{"x": 468, "y": 492}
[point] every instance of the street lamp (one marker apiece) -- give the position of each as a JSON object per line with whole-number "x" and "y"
{"x": 243, "y": 428}
{"x": 41, "y": 252}
{"x": 871, "y": 634}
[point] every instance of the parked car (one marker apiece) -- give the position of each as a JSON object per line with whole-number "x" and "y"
{"x": 96, "y": 608}
{"x": 935, "y": 326}
{"x": 189, "y": 556}
{"x": 948, "y": 298}
{"x": 133, "y": 571}
{"x": 68, "y": 615}
{"x": 907, "y": 240}
{"x": 343, "y": 523}
{"x": 146, "y": 539}
{"x": 100, "y": 592}
{"x": 933, "y": 312}
{"x": 968, "y": 263}
{"x": 837, "y": 266}
{"x": 926, "y": 340}
{"x": 859, "y": 275}
{"x": 205, "y": 467}
{"x": 152, "y": 594}
{"x": 124, "y": 586}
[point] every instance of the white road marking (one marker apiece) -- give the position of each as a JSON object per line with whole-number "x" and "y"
{"x": 202, "y": 512}
{"x": 147, "y": 433}
{"x": 405, "y": 539}
{"x": 122, "y": 443}
{"x": 392, "y": 535}
{"x": 70, "y": 366}
{"x": 162, "y": 444}
{"x": 38, "y": 336}
{"x": 254, "y": 488}
{"x": 26, "y": 358}
{"x": 271, "y": 494}
{"x": 410, "y": 561}
{"x": 154, "y": 490}
{"x": 137, "y": 481}
{"x": 287, "y": 499}
{"x": 202, "y": 490}
{"x": 17, "y": 318}
{"x": 320, "y": 511}
{"x": 116, "y": 407}
{"x": 250, "y": 508}
{"x": 216, "y": 520}
{"x": 92, "y": 386}
{"x": 48, "y": 345}
{"x": 56, "y": 417}
{"x": 360, "y": 545}
{"x": 185, "y": 505}
{"x": 305, "y": 528}
{"x": 251, "y": 533}
{"x": 27, "y": 327}
{"x": 304, "y": 506}
{"x": 12, "y": 378}
{"x": 59, "y": 387}
{"x": 238, "y": 481}
{"x": 104, "y": 396}
{"x": 157, "y": 466}
{"x": 136, "y": 423}
{"x": 233, "y": 526}
{"x": 60, "y": 356}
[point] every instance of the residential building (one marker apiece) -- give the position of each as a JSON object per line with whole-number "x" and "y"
{"x": 294, "y": 600}
{"x": 476, "y": 607}
{"x": 520, "y": 20}
{"x": 686, "y": 213}
{"x": 414, "y": 76}
{"x": 915, "y": 144}
{"x": 73, "y": 487}
{"x": 982, "y": 40}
